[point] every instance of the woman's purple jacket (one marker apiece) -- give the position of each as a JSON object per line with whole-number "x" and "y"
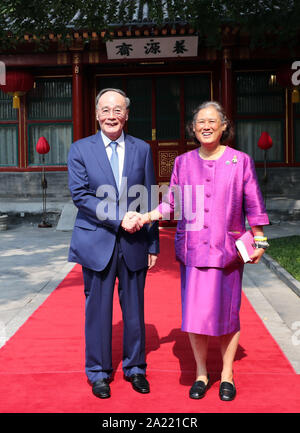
{"x": 210, "y": 200}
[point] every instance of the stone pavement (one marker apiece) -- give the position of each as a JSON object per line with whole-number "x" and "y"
{"x": 34, "y": 261}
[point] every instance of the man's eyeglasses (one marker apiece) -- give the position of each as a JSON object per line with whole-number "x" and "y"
{"x": 106, "y": 112}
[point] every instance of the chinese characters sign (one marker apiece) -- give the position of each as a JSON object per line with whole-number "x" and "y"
{"x": 151, "y": 48}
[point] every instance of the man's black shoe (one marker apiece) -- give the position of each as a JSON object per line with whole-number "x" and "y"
{"x": 139, "y": 383}
{"x": 101, "y": 388}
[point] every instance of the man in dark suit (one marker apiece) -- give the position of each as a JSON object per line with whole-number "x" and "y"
{"x": 109, "y": 241}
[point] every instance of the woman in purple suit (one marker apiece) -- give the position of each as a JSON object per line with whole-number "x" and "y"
{"x": 221, "y": 183}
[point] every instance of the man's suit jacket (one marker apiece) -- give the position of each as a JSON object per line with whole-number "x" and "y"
{"x": 94, "y": 237}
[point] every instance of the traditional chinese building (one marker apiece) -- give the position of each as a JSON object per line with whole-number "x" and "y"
{"x": 166, "y": 72}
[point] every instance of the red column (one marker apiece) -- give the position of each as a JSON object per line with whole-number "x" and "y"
{"x": 227, "y": 83}
{"x": 77, "y": 99}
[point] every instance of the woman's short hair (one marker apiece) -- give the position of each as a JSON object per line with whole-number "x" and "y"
{"x": 227, "y": 135}
{"x": 110, "y": 89}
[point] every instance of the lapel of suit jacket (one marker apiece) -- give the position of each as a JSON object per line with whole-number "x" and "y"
{"x": 101, "y": 156}
{"x": 128, "y": 161}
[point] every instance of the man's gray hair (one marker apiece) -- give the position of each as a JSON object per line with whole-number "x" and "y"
{"x": 110, "y": 89}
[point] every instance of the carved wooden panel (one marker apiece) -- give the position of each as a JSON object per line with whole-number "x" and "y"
{"x": 166, "y": 160}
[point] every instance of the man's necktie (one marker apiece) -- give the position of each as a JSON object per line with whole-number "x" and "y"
{"x": 114, "y": 161}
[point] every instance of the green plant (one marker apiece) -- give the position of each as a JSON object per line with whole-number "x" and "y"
{"x": 260, "y": 19}
{"x": 286, "y": 251}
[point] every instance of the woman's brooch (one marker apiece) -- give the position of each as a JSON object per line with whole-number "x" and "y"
{"x": 234, "y": 160}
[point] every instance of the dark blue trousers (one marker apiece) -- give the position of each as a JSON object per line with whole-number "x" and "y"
{"x": 99, "y": 289}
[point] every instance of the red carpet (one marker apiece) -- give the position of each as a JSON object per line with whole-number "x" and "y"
{"x": 42, "y": 365}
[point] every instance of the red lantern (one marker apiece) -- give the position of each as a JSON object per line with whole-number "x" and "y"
{"x": 42, "y": 146}
{"x": 17, "y": 84}
{"x": 265, "y": 141}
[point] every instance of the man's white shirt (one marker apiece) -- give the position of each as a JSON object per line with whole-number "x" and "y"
{"x": 120, "y": 151}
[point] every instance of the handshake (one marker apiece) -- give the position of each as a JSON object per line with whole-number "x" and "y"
{"x": 134, "y": 221}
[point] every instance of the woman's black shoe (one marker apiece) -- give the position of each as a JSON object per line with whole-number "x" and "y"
{"x": 227, "y": 391}
{"x": 199, "y": 389}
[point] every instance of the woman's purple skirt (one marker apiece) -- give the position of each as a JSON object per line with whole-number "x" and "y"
{"x": 211, "y": 299}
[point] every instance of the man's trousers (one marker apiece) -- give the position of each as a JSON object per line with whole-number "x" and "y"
{"x": 99, "y": 289}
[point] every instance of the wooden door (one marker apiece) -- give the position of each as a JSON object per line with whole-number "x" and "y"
{"x": 161, "y": 106}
